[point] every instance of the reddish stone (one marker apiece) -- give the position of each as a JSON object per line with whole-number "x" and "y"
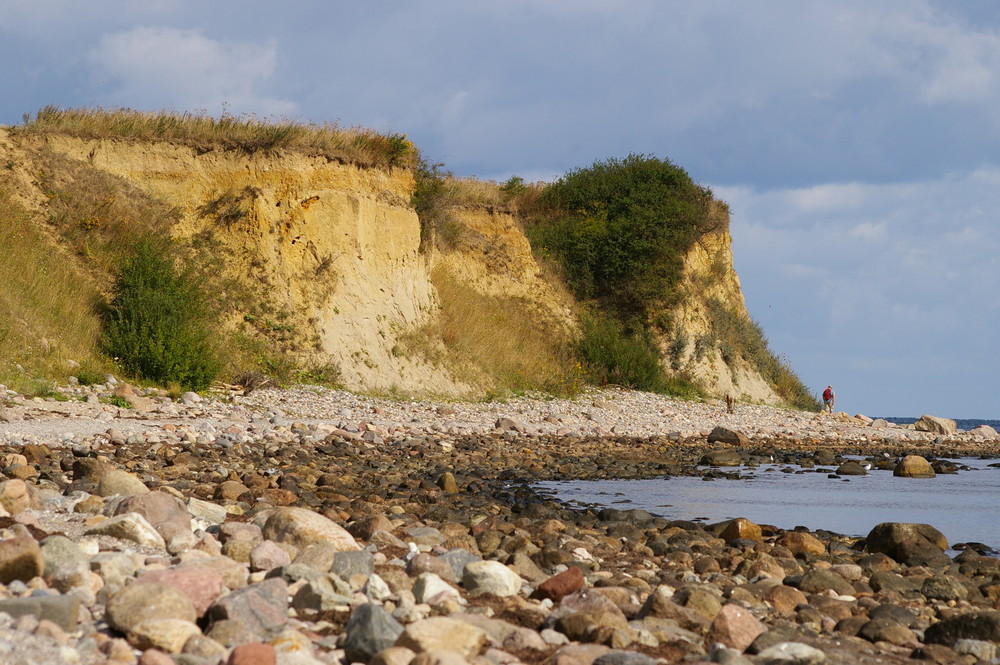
{"x": 252, "y": 654}
{"x": 559, "y": 586}
{"x": 785, "y": 599}
{"x": 735, "y": 627}
{"x": 427, "y": 563}
{"x": 202, "y": 585}
{"x": 165, "y": 512}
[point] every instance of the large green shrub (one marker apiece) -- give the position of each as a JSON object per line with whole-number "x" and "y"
{"x": 620, "y": 229}
{"x": 613, "y": 356}
{"x": 157, "y": 325}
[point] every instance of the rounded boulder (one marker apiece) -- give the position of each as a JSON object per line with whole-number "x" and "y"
{"x": 913, "y": 466}
{"x": 301, "y": 527}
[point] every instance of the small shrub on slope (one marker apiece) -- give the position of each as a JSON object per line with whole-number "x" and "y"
{"x": 614, "y": 357}
{"x": 157, "y": 324}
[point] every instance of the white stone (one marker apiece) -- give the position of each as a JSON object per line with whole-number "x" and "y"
{"x": 212, "y": 513}
{"x": 790, "y": 653}
{"x": 376, "y": 589}
{"x": 130, "y": 526}
{"x": 429, "y": 585}
{"x": 491, "y": 577}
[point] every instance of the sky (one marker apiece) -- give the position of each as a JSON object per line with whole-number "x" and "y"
{"x": 857, "y": 143}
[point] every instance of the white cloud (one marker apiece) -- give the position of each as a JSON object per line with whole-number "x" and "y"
{"x": 963, "y": 70}
{"x": 869, "y": 231}
{"x": 162, "y": 67}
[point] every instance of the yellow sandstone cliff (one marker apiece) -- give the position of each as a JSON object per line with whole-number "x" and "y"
{"x": 334, "y": 251}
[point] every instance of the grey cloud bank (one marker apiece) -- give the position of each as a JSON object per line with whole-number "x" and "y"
{"x": 857, "y": 145}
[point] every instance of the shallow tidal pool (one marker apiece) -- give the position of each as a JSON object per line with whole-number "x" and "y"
{"x": 964, "y": 506}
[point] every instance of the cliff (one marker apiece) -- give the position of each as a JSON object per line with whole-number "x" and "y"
{"x": 324, "y": 261}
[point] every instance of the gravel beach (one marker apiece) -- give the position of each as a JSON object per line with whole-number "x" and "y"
{"x": 308, "y": 525}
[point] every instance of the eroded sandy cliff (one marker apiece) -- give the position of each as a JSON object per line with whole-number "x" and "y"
{"x": 332, "y": 252}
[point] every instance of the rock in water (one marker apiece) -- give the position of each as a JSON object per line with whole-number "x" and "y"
{"x": 852, "y": 468}
{"x": 913, "y": 466}
{"x": 722, "y": 457}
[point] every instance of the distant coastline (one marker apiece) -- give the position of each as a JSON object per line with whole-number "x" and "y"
{"x": 964, "y": 424}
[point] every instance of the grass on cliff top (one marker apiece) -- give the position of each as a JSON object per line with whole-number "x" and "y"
{"x": 249, "y": 133}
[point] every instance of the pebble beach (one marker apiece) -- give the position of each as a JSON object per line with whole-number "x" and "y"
{"x": 308, "y": 525}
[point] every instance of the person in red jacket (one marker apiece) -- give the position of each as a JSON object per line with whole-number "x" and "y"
{"x": 829, "y": 397}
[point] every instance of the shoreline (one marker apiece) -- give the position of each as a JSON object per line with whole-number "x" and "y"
{"x": 450, "y": 481}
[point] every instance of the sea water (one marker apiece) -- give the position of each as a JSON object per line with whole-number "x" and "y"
{"x": 963, "y": 506}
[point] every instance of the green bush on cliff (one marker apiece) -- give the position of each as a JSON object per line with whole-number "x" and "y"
{"x": 616, "y": 357}
{"x": 620, "y": 230}
{"x": 157, "y": 324}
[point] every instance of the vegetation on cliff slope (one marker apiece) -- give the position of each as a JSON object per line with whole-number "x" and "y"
{"x": 58, "y": 276}
{"x": 618, "y": 230}
{"x": 158, "y": 325}
{"x": 47, "y": 309}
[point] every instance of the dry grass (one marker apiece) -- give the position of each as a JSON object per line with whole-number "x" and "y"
{"x": 48, "y": 309}
{"x": 471, "y": 192}
{"x": 500, "y": 341}
{"x": 97, "y": 214}
{"x": 249, "y": 133}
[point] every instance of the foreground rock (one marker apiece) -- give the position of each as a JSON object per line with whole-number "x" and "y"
{"x": 255, "y": 536}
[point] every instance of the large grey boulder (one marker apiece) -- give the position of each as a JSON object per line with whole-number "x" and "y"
{"x": 912, "y": 544}
{"x": 370, "y": 630}
{"x": 936, "y": 425}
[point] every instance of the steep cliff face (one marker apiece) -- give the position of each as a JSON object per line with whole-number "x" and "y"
{"x": 692, "y": 344}
{"x": 331, "y": 256}
{"x": 331, "y": 252}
